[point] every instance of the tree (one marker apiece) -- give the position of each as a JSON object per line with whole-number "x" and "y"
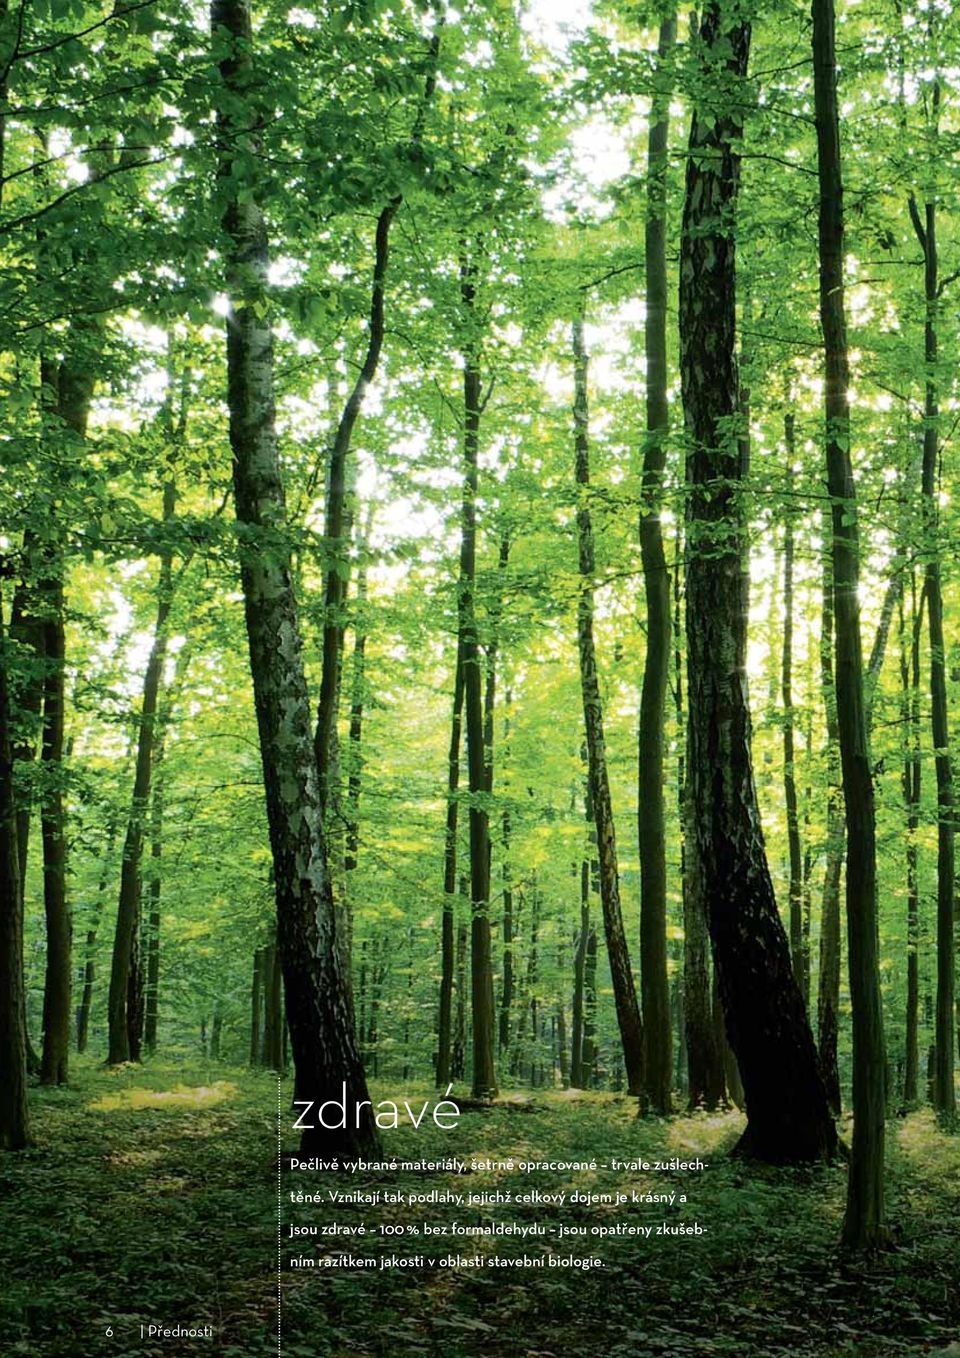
{"x": 481, "y": 967}
{"x": 125, "y": 1008}
{"x": 624, "y": 991}
{"x": 655, "y": 995}
{"x": 798, "y": 952}
{"x": 14, "y": 1118}
{"x": 864, "y": 1220}
{"x": 925, "y": 226}
{"x": 319, "y": 1010}
{"x": 787, "y": 1113}
{"x": 448, "y": 920}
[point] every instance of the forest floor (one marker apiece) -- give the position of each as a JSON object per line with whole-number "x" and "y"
{"x": 151, "y": 1197}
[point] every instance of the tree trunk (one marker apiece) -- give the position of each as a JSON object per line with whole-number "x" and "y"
{"x": 705, "y": 1072}
{"x": 624, "y": 991}
{"x": 256, "y": 1006}
{"x": 66, "y": 392}
{"x": 589, "y": 1059}
{"x": 506, "y": 991}
{"x": 910, "y": 717}
{"x": 272, "y": 1054}
{"x": 319, "y": 1009}
{"x": 706, "y": 1079}
{"x": 788, "y": 1118}
{"x": 579, "y": 980}
{"x": 563, "y": 1055}
{"x": 801, "y": 969}
{"x": 532, "y": 978}
{"x": 357, "y": 701}
{"x": 448, "y": 921}
{"x": 27, "y": 630}
{"x": 58, "y": 977}
{"x": 828, "y": 996}
{"x": 458, "y": 1048}
{"x": 336, "y": 519}
{"x": 65, "y": 402}
{"x": 86, "y": 991}
{"x": 14, "y": 1119}
{"x": 136, "y": 1002}
{"x": 88, "y": 974}
{"x": 944, "y": 1096}
{"x": 152, "y": 935}
{"x": 828, "y": 992}
{"x": 863, "y": 1222}
{"x": 124, "y": 1002}
{"x": 507, "y": 982}
{"x": 481, "y": 966}
{"x": 654, "y": 989}
{"x": 14, "y": 831}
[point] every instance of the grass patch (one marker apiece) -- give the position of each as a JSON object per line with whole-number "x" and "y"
{"x": 150, "y": 1197}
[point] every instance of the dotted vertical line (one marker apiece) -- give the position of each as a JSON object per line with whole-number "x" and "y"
{"x": 278, "y": 1218}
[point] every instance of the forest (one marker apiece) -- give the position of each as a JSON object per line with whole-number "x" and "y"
{"x": 479, "y": 612}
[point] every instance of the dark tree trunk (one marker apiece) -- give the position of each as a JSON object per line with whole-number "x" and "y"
{"x": 828, "y": 991}
{"x": 256, "y": 1006}
{"x": 319, "y": 1009}
{"x": 680, "y": 1049}
{"x": 624, "y": 991}
{"x": 58, "y": 977}
{"x": 788, "y": 1117}
{"x": 491, "y": 651}
{"x": 458, "y": 1047}
{"x": 152, "y": 935}
{"x": 944, "y": 1095}
{"x": 14, "y": 1120}
{"x": 654, "y": 989}
{"x": 706, "y": 1079}
{"x": 65, "y": 404}
{"x": 507, "y": 984}
{"x": 481, "y": 965}
{"x": 863, "y": 1222}
{"x": 27, "y": 631}
{"x": 448, "y": 920}
{"x": 125, "y": 1017}
{"x": 730, "y": 1088}
{"x": 801, "y": 969}
{"x": 86, "y": 992}
{"x": 136, "y": 1001}
{"x": 14, "y": 835}
{"x": 337, "y": 517}
{"x": 272, "y": 1053}
{"x": 89, "y": 958}
{"x": 910, "y": 717}
{"x": 506, "y": 991}
{"x": 408, "y": 1004}
{"x": 703, "y": 1061}
{"x": 579, "y": 966}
